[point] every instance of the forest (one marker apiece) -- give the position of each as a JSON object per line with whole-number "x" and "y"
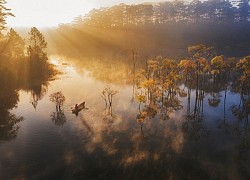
{"x": 165, "y": 28}
{"x": 150, "y": 14}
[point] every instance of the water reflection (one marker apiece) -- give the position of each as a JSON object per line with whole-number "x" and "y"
{"x": 107, "y": 95}
{"x": 108, "y": 115}
{"x": 194, "y": 125}
{"x": 8, "y": 125}
{"x": 58, "y": 117}
{"x": 241, "y": 126}
{"x": 8, "y": 100}
{"x": 37, "y": 91}
{"x": 168, "y": 131}
{"x": 11, "y": 81}
{"x": 8, "y": 94}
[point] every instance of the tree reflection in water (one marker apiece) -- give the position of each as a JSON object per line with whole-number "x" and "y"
{"x": 18, "y": 77}
{"x": 58, "y": 98}
{"x": 168, "y": 149}
{"x": 58, "y": 117}
{"x": 242, "y": 126}
{"x": 107, "y": 95}
{"x": 8, "y": 100}
{"x": 37, "y": 91}
{"x": 108, "y": 115}
{"x": 8, "y": 125}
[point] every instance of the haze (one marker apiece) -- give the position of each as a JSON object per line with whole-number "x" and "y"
{"x": 47, "y": 13}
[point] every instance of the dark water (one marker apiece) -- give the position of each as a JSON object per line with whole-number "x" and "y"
{"x": 110, "y": 143}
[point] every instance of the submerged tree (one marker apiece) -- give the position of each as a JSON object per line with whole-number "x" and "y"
{"x": 58, "y": 98}
{"x": 218, "y": 66}
{"x": 58, "y": 117}
{"x": 187, "y": 71}
{"x": 244, "y": 66}
{"x": 108, "y": 94}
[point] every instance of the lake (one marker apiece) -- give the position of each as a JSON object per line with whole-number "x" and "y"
{"x": 110, "y": 142}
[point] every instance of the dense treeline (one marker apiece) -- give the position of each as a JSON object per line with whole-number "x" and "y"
{"x": 215, "y": 11}
{"x": 165, "y": 28}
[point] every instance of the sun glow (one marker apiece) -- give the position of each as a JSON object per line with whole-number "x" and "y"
{"x": 46, "y": 13}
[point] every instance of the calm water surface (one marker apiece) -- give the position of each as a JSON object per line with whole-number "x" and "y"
{"x": 105, "y": 143}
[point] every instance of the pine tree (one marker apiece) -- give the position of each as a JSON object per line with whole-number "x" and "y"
{"x": 16, "y": 44}
{"x": 4, "y": 12}
{"x": 37, "y": 53}
{"x": 37, "y": 45}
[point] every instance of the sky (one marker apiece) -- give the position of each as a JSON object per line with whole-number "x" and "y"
{"x": 49, "y": 13}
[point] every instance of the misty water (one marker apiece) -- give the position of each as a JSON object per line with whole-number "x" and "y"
{"x": 103, "y": 142}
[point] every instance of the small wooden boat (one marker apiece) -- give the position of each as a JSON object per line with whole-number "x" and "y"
{"x": 78, "y": 107}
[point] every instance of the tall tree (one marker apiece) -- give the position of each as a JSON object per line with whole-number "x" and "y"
{"x": 37, "y": 53}
{"x": 37, "y": 45}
